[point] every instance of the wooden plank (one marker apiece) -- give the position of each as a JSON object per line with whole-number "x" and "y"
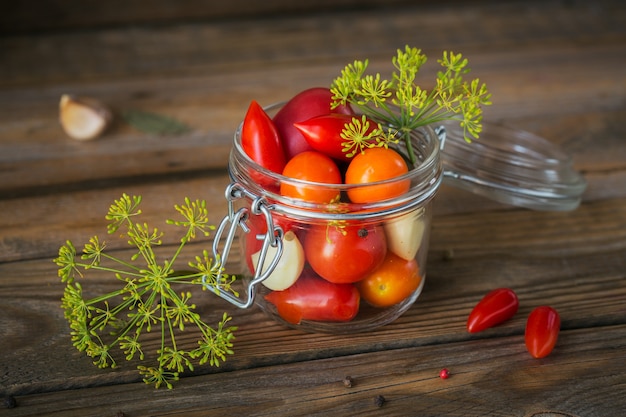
{"x": 574, "y": 91}
{"x": 209, "y": 47}
{"x": 36, "y": 155}
{"x": 407, "y": 379}
{"x": 46, "y": 221}
{"x": 593, "y": 227}
{"x": 581, "y": 273}
{"x": 554, "y": 69}
{"x": 72, "y": 14}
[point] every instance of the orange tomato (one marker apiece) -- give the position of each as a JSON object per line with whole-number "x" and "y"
{"x": 392, "y": 282}
{"x": 376, "y": 164}
{"x": 311, "y": 166}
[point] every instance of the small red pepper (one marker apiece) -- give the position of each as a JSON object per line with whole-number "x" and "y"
{"x": 260, "y": 139}
{"x": 496, "y": 307}
{"x": 323, "y": 133}
{"x": 542, "y": 331}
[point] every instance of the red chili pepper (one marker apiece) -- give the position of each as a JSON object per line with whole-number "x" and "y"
{"x": 323, "y": 133}
{"x": 496, "y": 307}
{"x": 260, "y": 139}
{"x": 542, "y": 331}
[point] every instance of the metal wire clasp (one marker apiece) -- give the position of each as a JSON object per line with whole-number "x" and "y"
{"x": 440, "y": 131}
{"x": 237, "y": 219}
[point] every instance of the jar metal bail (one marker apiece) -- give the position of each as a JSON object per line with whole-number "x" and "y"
{"x": 440, "y": 131}
{"x": 237, "y": 219}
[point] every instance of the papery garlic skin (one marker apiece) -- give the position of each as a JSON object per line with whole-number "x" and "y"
{"x": 83, "y": 118}
{"x": 404, "y": 234}
{"x": 289, "y": 266}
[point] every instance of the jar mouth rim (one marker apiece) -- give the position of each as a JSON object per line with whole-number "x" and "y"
{"x": 423, "y": 168}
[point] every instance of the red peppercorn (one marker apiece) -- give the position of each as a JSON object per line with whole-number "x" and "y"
{"x": 444, "y": 373}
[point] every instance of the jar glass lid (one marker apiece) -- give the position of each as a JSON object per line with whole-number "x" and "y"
{"x": 512, "y": 167}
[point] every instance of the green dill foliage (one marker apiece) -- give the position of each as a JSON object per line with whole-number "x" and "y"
{"x": 360, "y": 134}
{"x": 147, "y": 300}
{"x": 402, "y": 105}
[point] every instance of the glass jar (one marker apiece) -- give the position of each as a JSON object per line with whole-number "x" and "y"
{"x": 345, "y": 267}
{"x": 325, "y": 265}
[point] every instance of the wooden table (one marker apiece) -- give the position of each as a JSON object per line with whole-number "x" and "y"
{"x": 556, "y": 68}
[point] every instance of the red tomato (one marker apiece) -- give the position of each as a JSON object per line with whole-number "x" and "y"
{"x": 344, "y": 253}
{"x": 376, "y": 164}
{"x": 315, "y": 167}
{"x": 303, "y": 106}
{"x": 312, "y": 298}
{"x": 392, "y": 282}
{"x": 260, "y": 139}
{"x": 323, "y": 133}
{"x": 496, "y": 307}
{"x": 542, "y": 331}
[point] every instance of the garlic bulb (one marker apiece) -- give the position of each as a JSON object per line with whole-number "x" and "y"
{"x": 83, "y": 118}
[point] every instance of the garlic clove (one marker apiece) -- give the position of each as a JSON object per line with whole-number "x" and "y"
{"x": 289, "y": 266}
{"x": 404, "y": 234}
{"x": 83, "y": 118}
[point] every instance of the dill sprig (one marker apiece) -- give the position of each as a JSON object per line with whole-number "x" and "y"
{"x": 147, "y": 300}
{"x": 401, "y": 105}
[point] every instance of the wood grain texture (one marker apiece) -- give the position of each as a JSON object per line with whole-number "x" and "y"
{"x": 564, "y": 79}
{"x": 555, "y": 68}
{"x": 309, "y": 39}
{"x": 54, "y": 161}
{"x": 584, "y": 282}
{"x": 407, "y": 378}
{"x": 21, "y": 17}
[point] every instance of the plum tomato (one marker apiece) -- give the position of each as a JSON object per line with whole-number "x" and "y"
{"x": 376, "y": 164}
{"x": 260, "y": 139}
{"x": 323, "y": 133}
{"x": 344, "y": 253}
{"x": 309, "y": 103}
{"x": 313, "y": 298}
{"x": 542, "y": 331}
{"x": 494, "y": 308}
{"x": 392, "y": 282}
{"x": 311, "y": 166}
